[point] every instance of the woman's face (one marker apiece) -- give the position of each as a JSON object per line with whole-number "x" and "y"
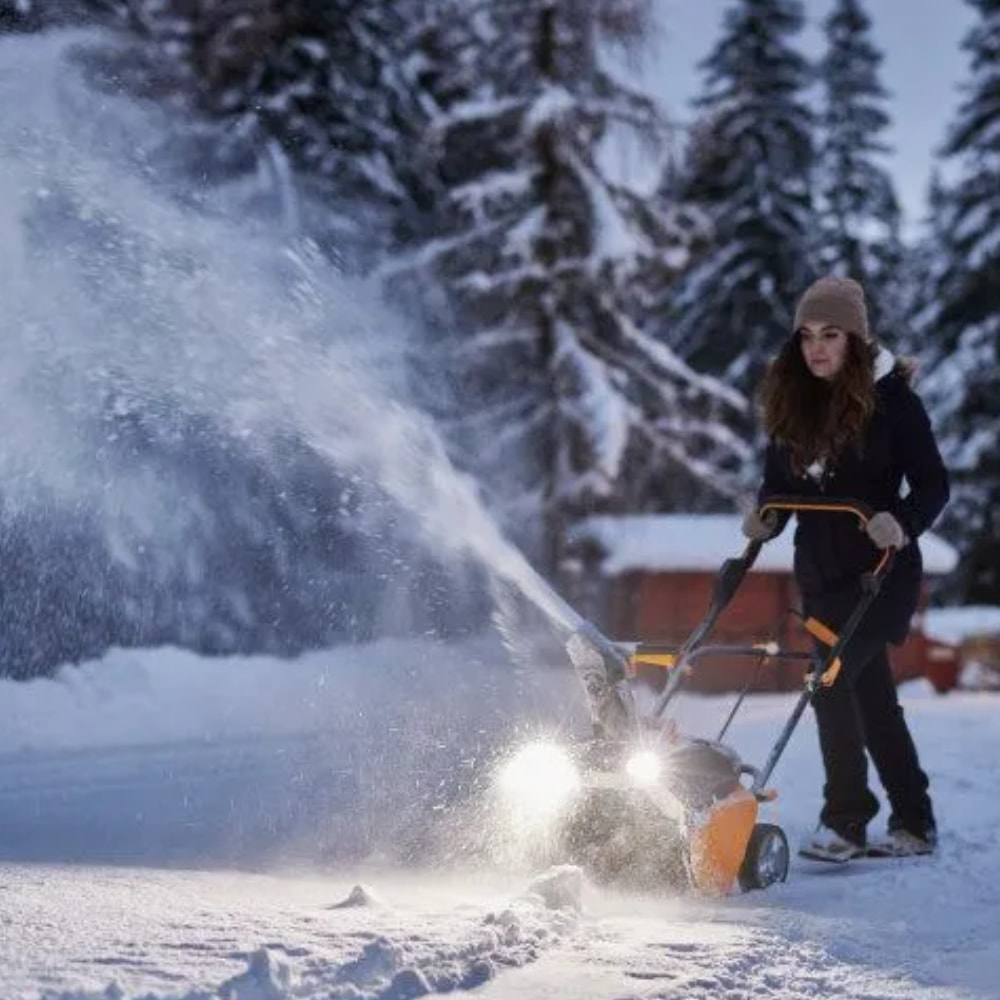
{"x": 824, "y": 349}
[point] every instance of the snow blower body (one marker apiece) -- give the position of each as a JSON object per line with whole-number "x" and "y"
{"x": 644, "y": 806}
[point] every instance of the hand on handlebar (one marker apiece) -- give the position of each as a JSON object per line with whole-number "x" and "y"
{"x": 760, "y": 528}
{"x": 885, "y": 531}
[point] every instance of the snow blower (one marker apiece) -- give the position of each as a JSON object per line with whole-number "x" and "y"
{"x": 640, "y": 805}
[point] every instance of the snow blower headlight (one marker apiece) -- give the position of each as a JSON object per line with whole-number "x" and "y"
{"x": 644, "y": 767}
{"x": 540, "y": 779}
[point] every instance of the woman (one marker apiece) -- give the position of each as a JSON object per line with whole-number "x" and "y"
{"x": 843, "y": 421}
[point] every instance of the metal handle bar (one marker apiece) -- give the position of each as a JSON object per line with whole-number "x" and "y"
{"x": 830, "y": 505}
{"x": 734, "y": 570}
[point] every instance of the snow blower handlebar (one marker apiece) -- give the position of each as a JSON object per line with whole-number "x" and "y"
{"x": 829, "y": 505}
{"x": 604, "y": 665}
{"x": 733, "y": 571}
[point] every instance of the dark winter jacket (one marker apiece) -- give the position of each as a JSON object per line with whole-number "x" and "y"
{"x": 831, "y": 551}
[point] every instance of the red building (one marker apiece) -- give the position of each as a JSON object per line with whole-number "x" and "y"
{"x": 658, "y": 572}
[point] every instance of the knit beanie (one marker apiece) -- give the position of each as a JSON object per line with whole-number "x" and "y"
{"x": 838, "y": 301}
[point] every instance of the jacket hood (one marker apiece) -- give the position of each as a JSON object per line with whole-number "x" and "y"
{"x": 885, "y": 363}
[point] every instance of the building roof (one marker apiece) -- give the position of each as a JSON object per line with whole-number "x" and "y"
{"x": 686, "y": 542}
{"x": 959, "y": 624}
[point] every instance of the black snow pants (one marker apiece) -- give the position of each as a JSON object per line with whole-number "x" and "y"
{"x": 860, "y": 712}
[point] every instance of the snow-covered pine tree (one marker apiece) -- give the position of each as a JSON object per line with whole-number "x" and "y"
{"x": 151, "y": 57}
{"x": 564, "y": 403}
{"x": 17, "y": 15}
{"x": 961, "y": 326}
{"x": 276, "y": 559}
{"x": 861, "y": 217}
{"x": 923, "y": 268}
{"x": 320, "y": 77}
{"x": 35, "y": 15}
{"x": 267, "y": 85}
{"x": 444, "y": 43}
{"x": 750, "y": 165}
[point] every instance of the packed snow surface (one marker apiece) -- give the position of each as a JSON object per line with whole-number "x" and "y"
{"x": 254, "y": 829}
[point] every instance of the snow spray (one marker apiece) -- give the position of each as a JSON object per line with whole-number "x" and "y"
{"x": 112, "y": 287}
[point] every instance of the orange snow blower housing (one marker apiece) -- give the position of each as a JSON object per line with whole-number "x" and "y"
{"x": 705, "y": 789}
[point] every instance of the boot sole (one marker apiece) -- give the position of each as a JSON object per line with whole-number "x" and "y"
{"x": 830, "y": 857}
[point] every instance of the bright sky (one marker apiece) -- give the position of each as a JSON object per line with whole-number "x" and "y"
{"x": 923, "y": 68}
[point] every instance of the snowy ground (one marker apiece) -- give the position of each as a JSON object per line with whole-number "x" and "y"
{"x": 179, "y": 828}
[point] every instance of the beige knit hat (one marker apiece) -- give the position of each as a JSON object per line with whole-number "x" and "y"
{"x": 839, "y": 301}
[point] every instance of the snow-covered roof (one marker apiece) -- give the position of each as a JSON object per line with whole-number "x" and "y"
{"x": 659, "y": 542}
{"x": 955, "y": 625}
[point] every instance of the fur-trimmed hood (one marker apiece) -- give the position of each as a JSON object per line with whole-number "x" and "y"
{"x": 886, "y": 363}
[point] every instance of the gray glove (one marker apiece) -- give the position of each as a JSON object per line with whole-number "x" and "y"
{"x": 885, "y": 531}
{"x": 760, "y": 529}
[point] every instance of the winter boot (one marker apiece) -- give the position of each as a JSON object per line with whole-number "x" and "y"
{"x": 828, "y": 845}
{"x": 900, "y": 843}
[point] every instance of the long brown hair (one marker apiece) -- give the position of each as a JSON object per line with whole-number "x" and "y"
{"x": 812, "y": 417}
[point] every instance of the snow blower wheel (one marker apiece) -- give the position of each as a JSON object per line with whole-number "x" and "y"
{"x": 767, "y": 858}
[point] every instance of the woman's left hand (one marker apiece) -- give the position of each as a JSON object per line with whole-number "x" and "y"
{"x": 885, "y": 531}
